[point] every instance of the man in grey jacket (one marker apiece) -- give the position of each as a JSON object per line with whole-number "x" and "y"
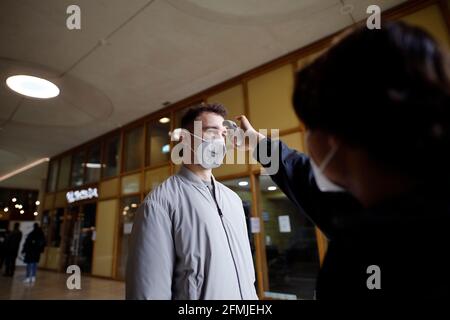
{"x": 189, "y": 239}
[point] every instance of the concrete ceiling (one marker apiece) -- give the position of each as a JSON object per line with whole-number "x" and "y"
{"x": 130, "y": 56}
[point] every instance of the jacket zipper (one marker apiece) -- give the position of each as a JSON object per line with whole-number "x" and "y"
{"x": 229, "y": 245}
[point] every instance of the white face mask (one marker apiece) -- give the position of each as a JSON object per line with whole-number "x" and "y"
{"x": 323, "y": 183}
{"x": 210, "y": 153}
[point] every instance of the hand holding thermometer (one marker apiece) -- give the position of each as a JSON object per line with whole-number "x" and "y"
{"x": 234, "y": 133}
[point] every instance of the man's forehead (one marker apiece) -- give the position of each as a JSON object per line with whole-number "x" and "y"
{"x": 210, "y": 120}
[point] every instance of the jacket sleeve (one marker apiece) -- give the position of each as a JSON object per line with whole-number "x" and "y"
{"x": 151, "y": 254}
{"x": 295, "y": 178}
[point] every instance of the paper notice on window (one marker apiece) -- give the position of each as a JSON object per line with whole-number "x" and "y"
{"x": 255, "y": 225}
{"x": 127, "y": 227}
{"x": 284, "y": 224}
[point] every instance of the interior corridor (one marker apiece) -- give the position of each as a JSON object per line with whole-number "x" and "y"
{"x": 51, "y": 285}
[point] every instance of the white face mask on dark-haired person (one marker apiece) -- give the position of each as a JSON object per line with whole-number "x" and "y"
{"x": 323, "y": 183}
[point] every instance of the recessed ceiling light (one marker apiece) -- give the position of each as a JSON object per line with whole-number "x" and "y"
{"x": 243, "y": 183}
{"x": 164, "y": 120}
{"x": 32, "y": 86}
{"x": 93, "y": 165}
{"x": 272, "y": 188}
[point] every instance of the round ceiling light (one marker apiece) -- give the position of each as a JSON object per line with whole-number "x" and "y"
{"x": 32, "y": 86}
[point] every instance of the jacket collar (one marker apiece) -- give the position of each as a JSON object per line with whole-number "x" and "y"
{"x": 192, "y": 177}
{"x": 188, "y": 175}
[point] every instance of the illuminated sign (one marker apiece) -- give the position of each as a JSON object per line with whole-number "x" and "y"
{"x": 74, "y": 196}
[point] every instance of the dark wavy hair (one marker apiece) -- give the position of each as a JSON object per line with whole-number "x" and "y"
{"x": 387, "y": 91}
{"x": 193, "y": 113}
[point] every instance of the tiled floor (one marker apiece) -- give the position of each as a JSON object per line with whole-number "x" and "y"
{"x": 52, "y": 285}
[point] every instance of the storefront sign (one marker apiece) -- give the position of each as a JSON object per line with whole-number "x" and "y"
{"x": 84, "y": 194}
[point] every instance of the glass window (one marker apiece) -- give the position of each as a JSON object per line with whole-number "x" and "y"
{"x": 56, "y": 222}
{"x": 134, "y": 149}
{"x": 158, "y": 142}
{"x": 129, "y": 206}
{"x": 64, "y": 173}
{"x": 45, "y": 224}
{"x": 291, "y": 245}
{"x": 78, "y": 161}
{"x": 111, "y": 158}
{"x": 52, "y": 175}
{"x": 93, "y": 165}
{"x": 80, "y": 233}
{"x": 242, "y": 187}
{"x": 154, "y": 177}
{"x": 131, "y": 184}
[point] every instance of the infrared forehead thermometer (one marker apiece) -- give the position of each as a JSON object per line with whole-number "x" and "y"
{"x": 229, "y": 124}
{"x": 234, "y": 131}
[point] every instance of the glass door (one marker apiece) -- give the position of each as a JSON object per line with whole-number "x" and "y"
{"x": 80, "y": 236}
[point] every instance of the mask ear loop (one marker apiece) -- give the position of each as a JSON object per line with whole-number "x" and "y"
{"x": 328, "y": 158}
{"x": 329, "y": 155}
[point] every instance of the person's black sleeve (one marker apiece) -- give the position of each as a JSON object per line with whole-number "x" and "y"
{"x": 295, "y": 178}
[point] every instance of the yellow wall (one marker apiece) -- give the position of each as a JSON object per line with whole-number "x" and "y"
{"x": 131, "y": 184}
{"x": 432, "y": 20}
{"x": 104, "y": 238}
{"x": 154, "y": 177}
{"x": 109, "y": 188}
{"x": 60, "y": 200}
{"x": 48, "y": 201}
{"x": 294, "y": 140}
{"x": 233, "y": 99}
{"x": 270, "y": 99}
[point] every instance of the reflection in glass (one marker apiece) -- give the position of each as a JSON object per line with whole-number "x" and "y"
{"x": 52, "y": 175}
{"x": 56, "y": 223}
{"x": 242, "y": 187}
{"x": 93, "y": 165}
{"x": 134, "y": 149}
{"x": 291, "y": 245}
{"x": 64, "y": 173}
{"x": 78, "y": 160}
{"x": 79, "y": 236}
{"x": 131, "y": 184}
{"x": 129, "y": 207}
{"x": 158, "y": 140}
{"x": 111, "y": 159}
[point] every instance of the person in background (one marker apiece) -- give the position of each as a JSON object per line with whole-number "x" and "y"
{"x": 12, "y": 249}
{"x": 376, "y": 107}
{"x": 33, "y": 247}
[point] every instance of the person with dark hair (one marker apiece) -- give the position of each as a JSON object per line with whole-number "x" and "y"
{"x": 11, "y": 250}
{"x": 376, "y": 107}
{"x": 33, "y": 247}
{"x": 189, "y": 239}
